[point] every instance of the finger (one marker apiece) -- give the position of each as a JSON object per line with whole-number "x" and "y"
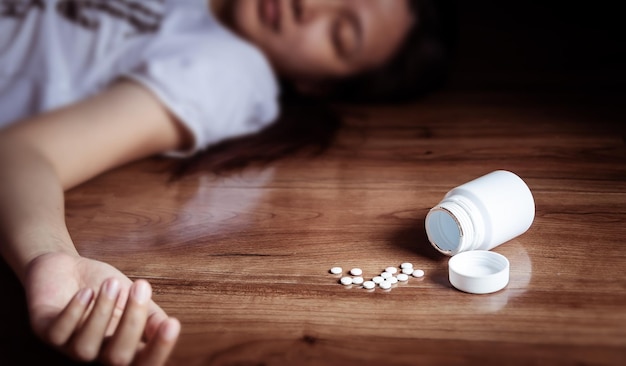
{"x": 123, "y": 346}
{"x": 159, "y": 348}
{"x": 156, "y": 316}
{"x": 86, "y": 344}
{"x": 64, "y": 325}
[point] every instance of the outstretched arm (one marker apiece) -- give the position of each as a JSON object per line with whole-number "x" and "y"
{"x": 39, "y": 159}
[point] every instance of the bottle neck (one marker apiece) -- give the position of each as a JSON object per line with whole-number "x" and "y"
{"x": 455, "y": 225}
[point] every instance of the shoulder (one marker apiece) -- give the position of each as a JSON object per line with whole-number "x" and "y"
{"x": 190, "y": 35}
{"x": 215, "y": 83}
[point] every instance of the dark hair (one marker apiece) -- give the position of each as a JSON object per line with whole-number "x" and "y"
{"x": 305, "y": 126}
{"x": 309, "y": 124}
{"x": 420, "y": 65}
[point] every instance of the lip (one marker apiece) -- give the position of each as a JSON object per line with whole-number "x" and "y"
{"x": 270, "y": 14}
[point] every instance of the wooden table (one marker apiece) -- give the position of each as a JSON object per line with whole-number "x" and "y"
{"x": 242, "y": 259}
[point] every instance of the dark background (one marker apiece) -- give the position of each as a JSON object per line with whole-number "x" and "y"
{"x": 540, "y": 45}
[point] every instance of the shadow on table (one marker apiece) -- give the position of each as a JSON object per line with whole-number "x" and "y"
{"x": 18, "y": 344}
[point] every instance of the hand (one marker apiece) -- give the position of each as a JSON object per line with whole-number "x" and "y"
{"x": 90, "y": 310}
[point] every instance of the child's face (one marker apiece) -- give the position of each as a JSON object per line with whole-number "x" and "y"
{"x": 313, "y": 40}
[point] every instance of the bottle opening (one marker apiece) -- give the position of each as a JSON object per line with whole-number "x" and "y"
{"x": 443, "y": 231}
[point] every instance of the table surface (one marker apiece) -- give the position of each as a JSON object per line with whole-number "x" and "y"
{"x": 242, "y": 259}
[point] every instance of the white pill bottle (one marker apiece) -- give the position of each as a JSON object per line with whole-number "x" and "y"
{"x": 481, "y": 214}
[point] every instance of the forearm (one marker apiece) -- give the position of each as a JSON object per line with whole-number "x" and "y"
{"x": 42, "y": 156}
{"x": 32, "y": 218}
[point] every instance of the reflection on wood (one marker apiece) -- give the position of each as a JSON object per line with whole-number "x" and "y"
{"x": 243, "y": 259}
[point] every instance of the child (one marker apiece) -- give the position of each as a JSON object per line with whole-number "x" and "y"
{"x": 86, "y": 86}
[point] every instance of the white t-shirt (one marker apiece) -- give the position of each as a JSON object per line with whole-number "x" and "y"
{"x": 56, "y": 52}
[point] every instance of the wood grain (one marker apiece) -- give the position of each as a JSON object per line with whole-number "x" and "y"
{"x": 242, "y": 259}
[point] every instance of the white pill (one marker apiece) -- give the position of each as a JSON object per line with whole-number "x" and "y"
{"x": 356, "y": 271}
{"x": 393, "y": 280}
{"x": 369, "y": 285}
{"x": 408, "y": 270}
{"x": 418, "y": 273}
{"x": 386, "y": 275}
{"x": 377, "y": 279}
{"x": 385, "y": 285}
{"x": 346, "y": 281}
{"x": 406, "y": 265}
{"x": 392, "y": 270}
{"x": 357, "y": 280}
{"x": 403, "y": 277}
{"x": 336, "y": 270}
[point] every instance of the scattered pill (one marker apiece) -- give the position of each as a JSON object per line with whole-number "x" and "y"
{"x": 418, "y": 273}
{"x": 369, "y": 285}
{"x": 403, "y": 277}
{"x": 346, "y": 280}
{"x": 385, "y": 280}
{"x": 392, "y": 270}
{"x": 356, "y": 271}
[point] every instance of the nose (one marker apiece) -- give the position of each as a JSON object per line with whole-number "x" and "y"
{"x": 307, "y": 11}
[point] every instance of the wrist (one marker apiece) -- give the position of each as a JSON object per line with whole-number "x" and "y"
{"x": 21, "y": 250}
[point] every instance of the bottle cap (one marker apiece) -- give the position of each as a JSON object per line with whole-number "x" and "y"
{"x": 479, "y": 271}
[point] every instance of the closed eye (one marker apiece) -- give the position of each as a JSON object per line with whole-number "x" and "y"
{"x": 296, "y": 7}
{"x": 346, "y": 35}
